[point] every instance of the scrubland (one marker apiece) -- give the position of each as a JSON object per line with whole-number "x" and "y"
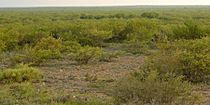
{"x": 105, "y": 56}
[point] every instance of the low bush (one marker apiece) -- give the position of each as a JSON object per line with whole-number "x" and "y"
{"x": 153, "y": 89}
{"x": 21, "y": 73}
{"x": 20, "y": 35}
{"x": 24, "y": 94}
{"x": 195, "y": 59}
{"x": 92, "y": 36}
{"x": 189, "y": 58}
{"x": 109, "y": 56}
{"x": 136, "y": 48}
{"x": 47, "y": 48}
{"x": 70, "y": 47}
{"x": 91, "y": 78}
{"x": 87, "y": 54}
{"x": 135, "y": 31}
{"x": 190, "y": 30}
{"x": 150, "y": 15}
{"x": 68, "y": 100}
{"x": 195, "y": 67}
{"x": 2, "y": 46}
{"x": 96, "y": 37}
{"x": 79, "y": 102}
{"x": 29, "y": 94}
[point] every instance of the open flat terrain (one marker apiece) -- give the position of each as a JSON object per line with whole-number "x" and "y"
{"x": 134, "y": 55}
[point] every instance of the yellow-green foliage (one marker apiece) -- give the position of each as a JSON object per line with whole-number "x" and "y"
{"x": 190, "y": 58}
{"x": 48, "y": 48}
{"x": 2, "y": 46}
{"x": 24, "y": 94}
{"x": 134, "y": 31}
{"x": 140, "y": 31}
{"x": 21, "y": 73}
{"x": 195, "y": 59}
{"x": 153, "y": 89}
{"x": 94, "y": 37}
{"x": 87, "y": 54}
{"x": 19, "y": 35}
{"x": 136, "y": 48}
{"x": 29, "y": 94}
{"x": 70, "y": 47}
{"x": 190, "y": 30}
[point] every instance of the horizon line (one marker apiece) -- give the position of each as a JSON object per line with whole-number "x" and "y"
{"x": 117, "y": 5}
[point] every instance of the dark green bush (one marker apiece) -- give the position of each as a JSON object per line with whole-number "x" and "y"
{"x": 152, "y": 89}
{"x": 150, "y": 15}
{"x": 21, "y": 73}
{"x": 117, "y": 32}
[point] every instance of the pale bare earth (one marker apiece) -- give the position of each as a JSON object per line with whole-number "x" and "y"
{"x": 67, "y": 77}
{"x": 83, "y": 81}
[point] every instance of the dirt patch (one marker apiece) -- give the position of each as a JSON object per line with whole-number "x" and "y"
{"x": 97, "y": 79}
{"x": 94, "y": 80}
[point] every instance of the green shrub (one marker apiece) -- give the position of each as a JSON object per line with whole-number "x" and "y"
{"x": 136, "y": 48}
{"x": 47, "y": 48}
{"x": 87, "y": 54}
{"x": 189, "y": 58}
{"x": 190, "y": 30}
{"x": 140, "y": 30}
{"x": 135, "y": 31}
{"x": 81, "y": 102}
{"x": 153, "y": 89}
{"x": 195, "y": 59}
{"x": 150, "y": 15}
{"x": 24, "y": 94}
{"x": 10, "y": 41}
{"x": 97, "y": 37}
{"x": 109, "y": 56}
{"x": 20, "y": 35}
{"x": 29, "y": 94}
{"x": 118, "y": 32}
{"x": 195, "y": 67}
{"x": 70, "y": 47}
{"x": 21, "y": 73}
{"x": 93, "y": 37}
{"x": 162, "y": 34}
{"x": 2, "y": 46}
{"x": 90, "y": 78}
